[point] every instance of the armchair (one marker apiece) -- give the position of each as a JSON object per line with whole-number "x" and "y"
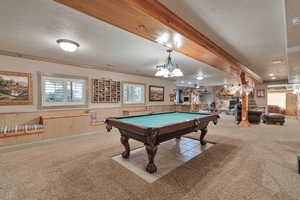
{"x": 253, "y": 115}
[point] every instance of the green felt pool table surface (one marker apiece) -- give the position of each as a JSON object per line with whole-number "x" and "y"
{"x": 162, "y": 119}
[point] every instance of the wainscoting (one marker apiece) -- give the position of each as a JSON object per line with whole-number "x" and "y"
{"x": 71, "y": 122}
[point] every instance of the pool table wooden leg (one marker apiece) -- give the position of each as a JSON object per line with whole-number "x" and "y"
{"x": 124, "y": 141}
{"x": 203, "y": 134}
{"x": 151, "y": 151}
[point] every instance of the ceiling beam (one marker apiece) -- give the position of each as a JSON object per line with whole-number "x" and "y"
{"x": 152, "y": 20}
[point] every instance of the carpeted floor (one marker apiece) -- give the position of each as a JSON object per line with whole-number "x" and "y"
{"x": 246, "y": 163}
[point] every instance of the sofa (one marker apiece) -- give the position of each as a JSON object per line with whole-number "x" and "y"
{"x": 275, "y": 109}
{"x": 275, "y": 115}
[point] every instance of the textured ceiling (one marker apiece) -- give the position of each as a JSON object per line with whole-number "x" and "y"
{"x": 251, "y": 30}
{"x": 32, "y": 28}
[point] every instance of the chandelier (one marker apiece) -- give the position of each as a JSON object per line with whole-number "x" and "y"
{"x": 169, "y": 69}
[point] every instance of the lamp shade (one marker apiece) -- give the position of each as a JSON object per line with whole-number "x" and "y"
{"x": 177, "y": 72}
{"x": 165, "y": 72}
{"x": 159, "y": 73}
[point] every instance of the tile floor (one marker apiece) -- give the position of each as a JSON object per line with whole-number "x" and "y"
{"x": 170, "y": 155}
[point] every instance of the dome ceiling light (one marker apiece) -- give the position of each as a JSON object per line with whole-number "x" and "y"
{"x": 277, "y": 62}
{"x": 200, "y": 78}
{"x": 67, "y": 45}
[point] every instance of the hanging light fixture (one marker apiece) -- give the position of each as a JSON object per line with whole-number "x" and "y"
{"x": 169, "y": 69}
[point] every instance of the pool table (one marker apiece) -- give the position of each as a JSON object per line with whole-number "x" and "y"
{"x": 152, "y": 129}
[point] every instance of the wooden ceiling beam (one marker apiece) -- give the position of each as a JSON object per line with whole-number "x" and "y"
{"x": 152, "y": 20}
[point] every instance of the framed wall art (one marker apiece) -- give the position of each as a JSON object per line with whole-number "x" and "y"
{"x": 172, "y": 97}
{"x": 156, "y": 93}
{"x": 15, "y": 88}
{"x": 260, "y": 93}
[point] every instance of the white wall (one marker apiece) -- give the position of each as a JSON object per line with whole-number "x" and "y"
{"x": 8, "y": 63}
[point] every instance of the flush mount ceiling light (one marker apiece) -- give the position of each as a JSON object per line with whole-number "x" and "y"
{"x": 67, "y": 45}
{"x": 200, "y": 78}
{"x": 271, "y": 74}
{"x": 273, "y": 78}
{"x": 170, "y": 69}
{"x": 296, "y": 20}
{"x": 277, "y": 61}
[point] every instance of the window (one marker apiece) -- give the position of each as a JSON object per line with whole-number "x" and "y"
{"x": 58, "y": 91}
{"x": 277, "y": 99}
{"x": 133, "y": 93}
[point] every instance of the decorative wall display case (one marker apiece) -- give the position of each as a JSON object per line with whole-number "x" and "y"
{"x": 106, "y": 91}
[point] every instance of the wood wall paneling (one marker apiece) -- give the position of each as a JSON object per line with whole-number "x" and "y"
{"x": 291, "y": 104}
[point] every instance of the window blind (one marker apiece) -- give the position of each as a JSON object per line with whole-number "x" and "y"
{"x": 61, "y": 91}
{"x": 133, "y": 93}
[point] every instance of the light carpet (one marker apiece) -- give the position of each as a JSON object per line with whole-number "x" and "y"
{"x": 246, "y": 163}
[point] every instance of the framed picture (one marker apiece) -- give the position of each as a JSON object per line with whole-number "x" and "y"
{"x": 15, "y": 88}
{"x": 156, "y": 93}
{"x": 172, "y": 97}
{"x": 260, "y": 93}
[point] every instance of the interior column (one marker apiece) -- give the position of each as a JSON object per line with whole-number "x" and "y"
{"x": 244, "y": 94}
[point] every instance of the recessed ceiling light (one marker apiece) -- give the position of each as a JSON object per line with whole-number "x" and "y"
{"x": 67, "y": 45}
{"x": 273, "y": 78}
{"x": 296, "y": 20}
{"x": 189, "y": 83}
{"x": 271, "y": 74}
{"x": 177, "y": 40}
{"x": 277, "y": 61}
{"x": 163, "y": 38}
{"x": 169, "y": 45}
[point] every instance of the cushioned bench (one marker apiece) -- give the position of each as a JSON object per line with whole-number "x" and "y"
{"x": 273, "y": 118}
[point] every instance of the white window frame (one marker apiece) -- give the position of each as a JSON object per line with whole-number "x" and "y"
{"x": 143, "y": 102}
{"x": 65, "y": 79}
